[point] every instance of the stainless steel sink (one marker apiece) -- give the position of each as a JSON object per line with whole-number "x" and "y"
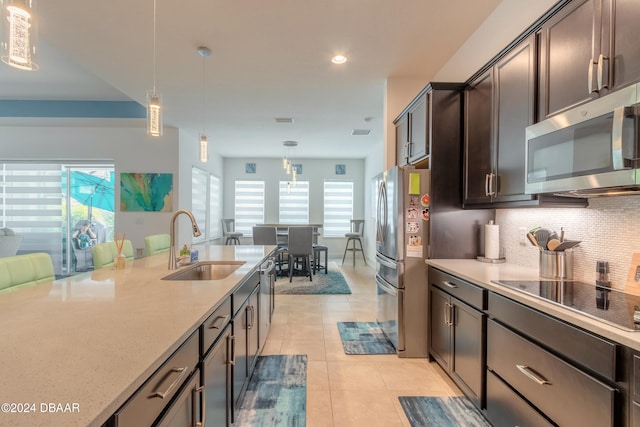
{"x": 206, "y": 270}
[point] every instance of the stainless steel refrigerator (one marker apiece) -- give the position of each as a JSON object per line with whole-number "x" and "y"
{"x": 416, "y": 220}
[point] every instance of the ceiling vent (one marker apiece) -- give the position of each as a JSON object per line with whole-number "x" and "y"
{"x": 359, "y": 132}
{"x": 284, "y": 120}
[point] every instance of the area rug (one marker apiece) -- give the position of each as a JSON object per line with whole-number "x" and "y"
{"x": 364, "y": 338}
{"x": 442, "y": 412}
{"x": 322, "y": 284}
{"x": 277, "y": 393}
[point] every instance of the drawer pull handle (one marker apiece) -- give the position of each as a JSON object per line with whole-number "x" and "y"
{"x": 183, "y": 372}
{"x": 448, "y": 284}
{"x": 203, "y": 405}
{"x": 532, "y": 375}
{"x": 219, "y": 321}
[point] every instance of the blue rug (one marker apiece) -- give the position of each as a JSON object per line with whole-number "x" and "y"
{"x": 442, "y": 412}
{"x": 277, "y": 393}
{"x": 364, "y": 338}
{"x": 322, "y": 284}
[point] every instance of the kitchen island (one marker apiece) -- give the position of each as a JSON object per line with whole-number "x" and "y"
{"x": 75, "y": 349}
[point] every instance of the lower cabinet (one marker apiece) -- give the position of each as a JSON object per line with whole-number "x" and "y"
{"x": 457, "y": 332}
{"x": 216, "y": 378}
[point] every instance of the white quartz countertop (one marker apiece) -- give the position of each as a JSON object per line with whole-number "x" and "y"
{"x": 87, "y": 342}
{"x": 484, "y": 273}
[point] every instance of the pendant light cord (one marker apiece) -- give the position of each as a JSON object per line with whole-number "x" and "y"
{"x": 154, "y": 46}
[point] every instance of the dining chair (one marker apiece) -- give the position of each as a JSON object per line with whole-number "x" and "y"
{"x": 300, "y": 247}
{"x": 356, "y": 235}
{"x": 268, "y": 235}
{"x": 229, "y": 231}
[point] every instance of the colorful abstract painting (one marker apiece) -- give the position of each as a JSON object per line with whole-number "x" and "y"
{"x": 150, "y": 192}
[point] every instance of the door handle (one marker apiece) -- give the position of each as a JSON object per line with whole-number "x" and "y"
{"x": 603, "y": 83}
{"x": 232, "y": 347}
{"x": 590, "y": 77}
{"x": 203, "y": 405}
{"x": 486, "y": 184}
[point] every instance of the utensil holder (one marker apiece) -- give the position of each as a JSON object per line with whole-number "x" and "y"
{"x": 556, "y": 265}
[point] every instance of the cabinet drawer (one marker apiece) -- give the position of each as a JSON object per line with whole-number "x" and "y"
{"x": 214, "y": 325}
{"x": 186, "y": 409}
{"x": 565, "y": 394}
{"x": 506, "y": 409}
{"x": 590, "y": 351}
{"x": 244, "y": 290}
{"x": 471, "y": 294}
{"x": 155, "y": 394}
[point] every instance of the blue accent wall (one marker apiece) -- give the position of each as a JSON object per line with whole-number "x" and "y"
{"x": 76, "y": 109}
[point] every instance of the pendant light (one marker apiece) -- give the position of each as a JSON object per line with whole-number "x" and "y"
{"x": 18, "y": 34}
{"x": 154, "y": 104}
{"x": 204, "y": 52}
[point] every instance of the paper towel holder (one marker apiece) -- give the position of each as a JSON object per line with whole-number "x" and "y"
{"x": 498, "y": 260}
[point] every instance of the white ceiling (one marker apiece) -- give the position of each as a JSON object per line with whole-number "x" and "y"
{"x": 270, "y": 59}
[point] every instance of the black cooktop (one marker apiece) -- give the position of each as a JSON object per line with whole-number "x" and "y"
{"x": 611, "y": 306}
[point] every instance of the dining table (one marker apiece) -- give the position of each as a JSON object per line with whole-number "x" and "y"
{"x": 282, "y": 230}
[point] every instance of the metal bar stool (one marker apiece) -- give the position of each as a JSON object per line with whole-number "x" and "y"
{"x": 317, "y": 254}
{"x": 229, "y": 231}
{"x": 356, "y": 235}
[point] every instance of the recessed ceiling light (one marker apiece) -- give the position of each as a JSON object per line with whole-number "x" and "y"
{"x": 339, "y": 59}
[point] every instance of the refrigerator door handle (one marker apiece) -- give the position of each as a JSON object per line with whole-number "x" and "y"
{"x": 382, "y": 214}
{"x": 390, "y": 264}
{"x": 386, "y": 287}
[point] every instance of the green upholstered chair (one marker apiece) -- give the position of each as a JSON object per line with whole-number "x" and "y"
{"x": 157, "y": 243}
{"x": 26, "y": 270}
{"x": 103, "y": 254}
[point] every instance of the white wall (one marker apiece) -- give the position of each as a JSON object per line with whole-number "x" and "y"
{"x": 124, "y": 142}
{"x": 313, "y": 170}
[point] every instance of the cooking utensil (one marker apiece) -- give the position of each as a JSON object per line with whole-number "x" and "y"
{"x": 567, "y": 244}
{"x": 533, "y": 240}
{"x": 542, "y": 236}
{"x": 553, "y": 244}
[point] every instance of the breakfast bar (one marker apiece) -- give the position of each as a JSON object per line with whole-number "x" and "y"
{"x": 75, "y": 349}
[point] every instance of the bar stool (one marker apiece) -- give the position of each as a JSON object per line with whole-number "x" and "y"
{"x": 356, "y": 235}
{"x": 229, "y": 231}
{"x": 317, "y": 254}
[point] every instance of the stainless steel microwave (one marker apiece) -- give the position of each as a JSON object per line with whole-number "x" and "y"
{"x": 587, "y": 151}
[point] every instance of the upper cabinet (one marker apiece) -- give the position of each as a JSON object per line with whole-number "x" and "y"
{"x": 421, "y": 120}
{"x": 499, "y": 105}
{"x": 587, "y": 50}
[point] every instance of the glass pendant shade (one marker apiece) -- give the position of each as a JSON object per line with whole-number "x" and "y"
{"x": 154, "y": 114}
{"x": 204, "y": 149}
{"x": 18, "y": 43}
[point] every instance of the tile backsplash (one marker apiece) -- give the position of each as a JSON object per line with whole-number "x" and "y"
{"x": 609, "y": 230}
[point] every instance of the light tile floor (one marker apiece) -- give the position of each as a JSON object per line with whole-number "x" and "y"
{"x": 349, "y": 390}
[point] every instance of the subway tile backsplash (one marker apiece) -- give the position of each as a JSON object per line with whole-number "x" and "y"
{"x": 609, "y": 230}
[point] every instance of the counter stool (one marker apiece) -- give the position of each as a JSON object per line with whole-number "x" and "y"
{"x": 317, "y": 254}
{"x": 229, "y": 231}
{"x": 356, "y": 235}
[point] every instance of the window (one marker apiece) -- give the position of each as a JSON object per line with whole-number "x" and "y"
{"x": 338, "y": 208}
{"x": 294, "y": 202}
{"x": 199, "y": 201}
{"x": 215, "y": 207}
{"x": 249, "y": 205}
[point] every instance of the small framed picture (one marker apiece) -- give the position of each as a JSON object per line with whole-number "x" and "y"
{"x": 341, "y": 169}
{"x": 297, "y": 167}
{"x": 250, "y": 168}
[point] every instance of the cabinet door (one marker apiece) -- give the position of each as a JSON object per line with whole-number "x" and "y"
{"x": 515, "y": 104}
{"x": 240, "y": 365}
{"x": 626, "y": 33}
{"x": 440, "y": 334}
{"x": 478, "y": 139}
{"x": 253, "y": 327}
{"x": 568, "y": 58}
{"x": 419, "y": 129}
{"x": 216, "y": 377}
{"x": 468, "y": 348}
{"x": 402, "y": 140}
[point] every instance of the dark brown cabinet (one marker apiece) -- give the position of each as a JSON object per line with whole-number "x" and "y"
{"x": 587, "y": 50}
{"x": 434, "y": 113}
{"x": 499, "y": 106}
{"x": 216, "y": 377}
{"x": 456, "y": 339}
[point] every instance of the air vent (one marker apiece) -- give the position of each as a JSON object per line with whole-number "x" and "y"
{"x": 358, "y": 132}
{"x": 284, "y": 120}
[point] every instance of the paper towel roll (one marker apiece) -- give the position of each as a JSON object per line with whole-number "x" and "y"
{"x": 492, "y": 240}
